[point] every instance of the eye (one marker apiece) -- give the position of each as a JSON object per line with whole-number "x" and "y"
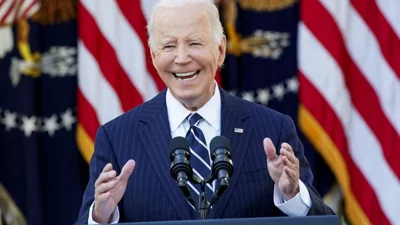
{"x": 168, "y": 47}
{"x": 195, "y": 44}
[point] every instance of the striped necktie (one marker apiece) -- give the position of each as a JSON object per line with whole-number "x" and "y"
{"x": 200, "y": 156}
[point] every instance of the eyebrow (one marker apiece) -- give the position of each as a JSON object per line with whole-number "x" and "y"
{"x": 200, "y": 39}
{"x": 167, "y": 41}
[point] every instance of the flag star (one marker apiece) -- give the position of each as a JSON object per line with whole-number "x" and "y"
{"x": 285, "y": 42}
{"x": 293, "y": 84}
{"x": 62, "y": 52}
{"x": 9, "y": 120}
{"x": 279, "y": 91}
{"x": 263, "y": 96}
{"x": 51, "y": 125}
{"x": 29, "y": 125}
{"x": 249, "y": 96}
{"x": 68, "y": 119}
{"x": 276, "y": 53}
{"x": 258, "y": 33}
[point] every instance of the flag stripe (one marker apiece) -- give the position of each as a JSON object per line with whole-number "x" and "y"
{"x": 11, "y": 17}
{"x": 24, "y": 5}
{"x": 391, "y": 10}
{"x": 388, "y": 41}
{"x": 4, "y": 7}
{"x": 28, "y": 11}
{"x": 7, "y": 12}
{"x": 133, "y": 13}
{"x": 326, "y": 76}
{"x": 33, "y": 9}
{"x": 363, "y": 96}
{"x": 126, "y": 45}
{"x": 105, "y": 55}
{"x": 93, "y": 85}
{"x": 87, "y": 116}
{"x": 353, "y": 184}
{"x": 365, "y": 53}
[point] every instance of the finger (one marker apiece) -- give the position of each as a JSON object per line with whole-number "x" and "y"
{"x": 288, "y": 163}
{"x": 286, "y": 146}
{"x": 291, "y": 174}
{"x": 104, "y": 177}
{"x": 269, "y": 149}
{"x": 107, "y": 168}
{"x": 105, "y": 187}
{"x": 290, "y": 155}
{"x": 127, "y": 170}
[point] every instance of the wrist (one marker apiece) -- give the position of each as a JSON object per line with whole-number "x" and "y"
{"x": 288, "y": 196}
{"x": 99, "y": 218}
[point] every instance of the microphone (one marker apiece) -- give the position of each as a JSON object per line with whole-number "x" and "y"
{"x": 181, "y": 169}
{"x": 222, "y": 166}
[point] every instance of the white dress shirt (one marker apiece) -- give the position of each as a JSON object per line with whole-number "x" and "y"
{"x": 211, "y": 127}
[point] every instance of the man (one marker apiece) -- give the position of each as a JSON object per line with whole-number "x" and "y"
{"x": 129, "y": 171}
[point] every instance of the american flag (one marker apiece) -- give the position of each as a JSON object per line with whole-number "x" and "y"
{"x": 349, "y": 74}
{"x": 115, "y": 67}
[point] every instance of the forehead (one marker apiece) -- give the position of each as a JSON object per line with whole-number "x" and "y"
{"x": 181, "y": 22}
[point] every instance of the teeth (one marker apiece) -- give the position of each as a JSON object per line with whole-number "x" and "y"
{"x": 188, "y": 79}
{"x": 185, "y": 74}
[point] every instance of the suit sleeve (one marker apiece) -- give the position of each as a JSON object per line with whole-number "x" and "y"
{"x": 289, "y": 135}
{"x": 102, "y": 155}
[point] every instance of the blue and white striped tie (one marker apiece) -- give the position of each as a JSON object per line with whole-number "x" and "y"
{"x": 200, "y": 156}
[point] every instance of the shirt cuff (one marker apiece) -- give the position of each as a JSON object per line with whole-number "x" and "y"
{"x": 114, "y": 216}
{"x": 299, "y": 205}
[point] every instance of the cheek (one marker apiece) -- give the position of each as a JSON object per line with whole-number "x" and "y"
{"x": 162, "y": 62}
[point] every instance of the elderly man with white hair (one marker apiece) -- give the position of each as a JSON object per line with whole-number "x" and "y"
{"x": 130, "y": 177}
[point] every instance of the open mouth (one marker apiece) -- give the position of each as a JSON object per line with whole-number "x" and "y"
{"x": 189, "y": 76}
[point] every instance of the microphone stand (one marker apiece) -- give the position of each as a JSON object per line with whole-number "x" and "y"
{"x": 204, "y": 205}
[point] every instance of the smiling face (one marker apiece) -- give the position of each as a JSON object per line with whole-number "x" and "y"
{"x": 185, "y": 54}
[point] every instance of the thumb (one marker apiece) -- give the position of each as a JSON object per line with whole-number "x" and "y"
{"x": 269, "y": 149}
{"x": 127, "y": 170}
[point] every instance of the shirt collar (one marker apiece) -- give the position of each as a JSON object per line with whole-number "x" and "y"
{"x": 211, "y": 111}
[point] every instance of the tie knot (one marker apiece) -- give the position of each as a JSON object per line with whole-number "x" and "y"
{"x": 194, "y": 118}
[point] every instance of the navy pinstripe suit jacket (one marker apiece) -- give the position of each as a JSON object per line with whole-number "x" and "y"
{"x": 143, "y": 134}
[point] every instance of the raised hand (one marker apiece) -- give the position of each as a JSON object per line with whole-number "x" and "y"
{"x": 283, "y": 169}
{"x": 109, "y": 189}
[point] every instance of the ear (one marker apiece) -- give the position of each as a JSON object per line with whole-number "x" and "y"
{"x": 222, "y": 51}
{"x": 153, "y": 56}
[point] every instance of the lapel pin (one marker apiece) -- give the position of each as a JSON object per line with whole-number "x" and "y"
{"x": 239, "y": 130}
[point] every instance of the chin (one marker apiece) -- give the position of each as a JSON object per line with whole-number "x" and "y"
{"x": 189, "y": 99}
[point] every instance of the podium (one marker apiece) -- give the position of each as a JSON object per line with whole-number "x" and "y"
{"x": 304, "y": 220}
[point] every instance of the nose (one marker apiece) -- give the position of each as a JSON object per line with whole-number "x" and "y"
{"x": 182, "y": 55}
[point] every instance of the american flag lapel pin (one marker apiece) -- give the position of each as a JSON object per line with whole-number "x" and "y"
{"x": 239, "y": 130}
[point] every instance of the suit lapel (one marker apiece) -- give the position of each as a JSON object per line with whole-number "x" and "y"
{"x": 233, "y": 115}
{"x": 155, "y": 138}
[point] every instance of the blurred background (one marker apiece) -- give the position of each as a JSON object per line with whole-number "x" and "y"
{"x": 67, "y": 66}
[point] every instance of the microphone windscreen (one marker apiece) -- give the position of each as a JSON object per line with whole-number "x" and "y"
{"x": 178, "y": 143}
{"x": 219, "y": 142}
